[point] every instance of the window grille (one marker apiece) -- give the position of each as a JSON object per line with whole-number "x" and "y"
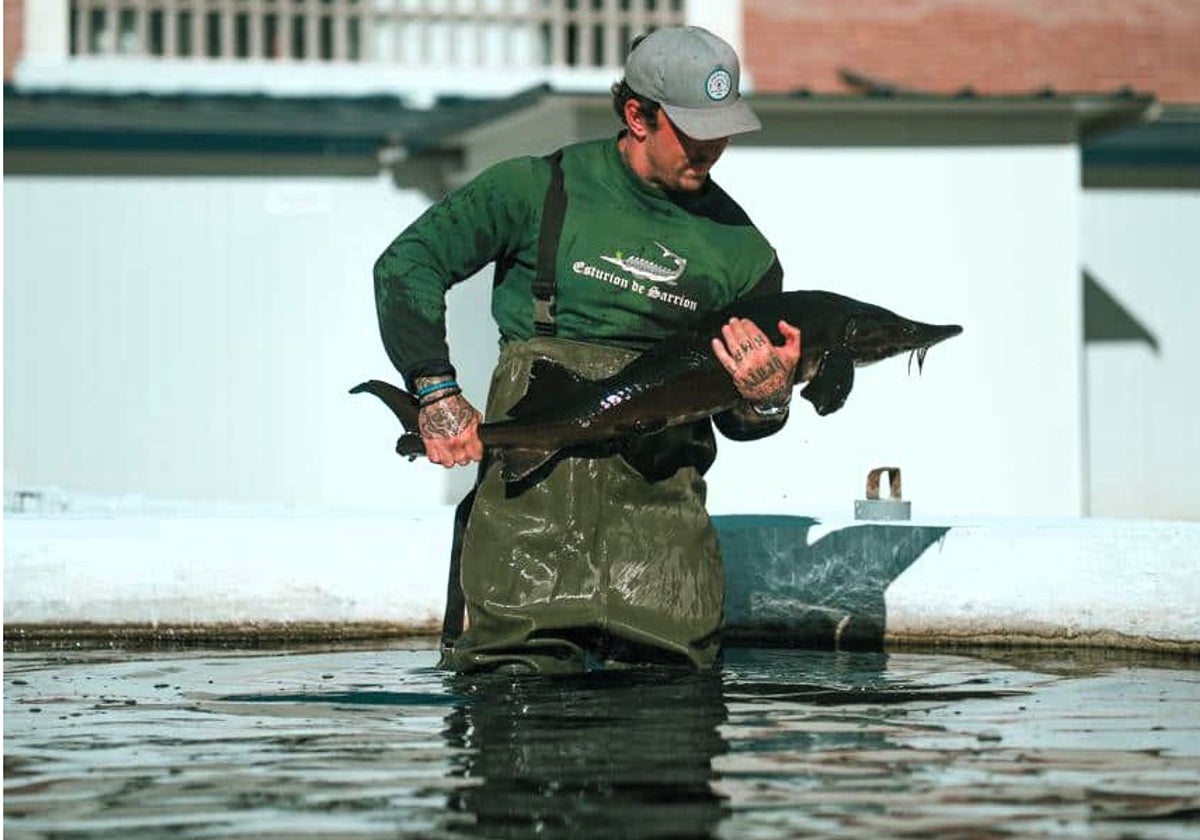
{"x": 456, "y": 33}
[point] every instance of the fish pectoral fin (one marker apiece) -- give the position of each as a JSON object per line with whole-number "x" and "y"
{"x": 516, "y": 464}
{"x": 831, "y": 384}
{"x": 644, "y": 426}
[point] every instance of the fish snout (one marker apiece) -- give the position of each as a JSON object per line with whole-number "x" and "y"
{"x": 930, "y": 334}
{"x": 934, "y": 333}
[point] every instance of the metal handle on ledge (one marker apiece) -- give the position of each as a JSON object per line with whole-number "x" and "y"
{"x": 873, "y": 507}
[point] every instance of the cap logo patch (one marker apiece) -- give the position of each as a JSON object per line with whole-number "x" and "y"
{"x": 719, "y": 84}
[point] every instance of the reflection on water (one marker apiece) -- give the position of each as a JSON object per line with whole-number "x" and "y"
{"x": 780, "y": 743}
{"x": 613, "y": 754}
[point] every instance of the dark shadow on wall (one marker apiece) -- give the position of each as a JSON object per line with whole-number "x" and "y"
{"x": 1105, "y": 319}
{"x": 780, "y": 589}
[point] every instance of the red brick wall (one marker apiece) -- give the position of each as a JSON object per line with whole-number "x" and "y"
{"x": 14, "y": 34}
{"x": 993, "y": 46}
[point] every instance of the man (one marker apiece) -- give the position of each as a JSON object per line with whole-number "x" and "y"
{"x": 605, "y": 558}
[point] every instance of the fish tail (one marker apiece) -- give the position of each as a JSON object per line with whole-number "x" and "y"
{"x": 404, "y": 405}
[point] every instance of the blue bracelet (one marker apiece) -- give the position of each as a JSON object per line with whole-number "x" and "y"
{"x": 437, "y": 398}
{"x": 436, "y": 386}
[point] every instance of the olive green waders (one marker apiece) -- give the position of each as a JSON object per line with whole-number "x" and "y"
{"x": 594, "y": 564}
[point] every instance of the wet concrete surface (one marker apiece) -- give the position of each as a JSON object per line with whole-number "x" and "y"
{"x": 366, "y": 743}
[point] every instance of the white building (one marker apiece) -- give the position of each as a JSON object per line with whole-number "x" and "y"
{"x": 191, "y": 220}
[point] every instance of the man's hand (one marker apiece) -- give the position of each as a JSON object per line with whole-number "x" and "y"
{"x": 762, "y": 372}
{"x": 450, "y": 428}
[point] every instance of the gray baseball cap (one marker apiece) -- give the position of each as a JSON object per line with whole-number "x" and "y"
{"x": 694, "y": 75}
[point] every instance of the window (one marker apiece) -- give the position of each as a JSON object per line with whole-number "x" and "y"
{"x": 483, "y": 33}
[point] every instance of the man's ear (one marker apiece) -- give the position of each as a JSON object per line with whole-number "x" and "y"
{"x": 635, "y": 120}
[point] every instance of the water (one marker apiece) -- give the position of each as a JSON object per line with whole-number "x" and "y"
{"x": 782, "y": 743}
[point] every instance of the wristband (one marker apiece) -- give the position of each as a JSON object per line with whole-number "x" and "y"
{"x": 439, "y": 397}
{"x": 772, "y": 408}
{"x": 436, "y": 386}
{"x": 769, "y": 410}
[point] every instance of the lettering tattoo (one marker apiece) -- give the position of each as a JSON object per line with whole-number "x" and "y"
{"x": 745, "y": 347}
{"x": 767, "y": 389}
{"x": 767, "y": 377}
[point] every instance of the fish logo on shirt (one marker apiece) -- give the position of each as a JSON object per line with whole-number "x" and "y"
{"x": 650, "y": 270}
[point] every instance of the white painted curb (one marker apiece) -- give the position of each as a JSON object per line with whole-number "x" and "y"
{"x": 1071, "y": 579}
{"x": 197, "y": 569}
{"x": 1074, "y": 581}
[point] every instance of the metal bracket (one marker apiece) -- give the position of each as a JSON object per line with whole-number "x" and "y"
{"x": 873, "y": 507}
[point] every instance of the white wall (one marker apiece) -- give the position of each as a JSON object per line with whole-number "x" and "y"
{"x": 1144, "y": 407}
{"x": 194, "y": 338}
{"x": 982, "y": 237}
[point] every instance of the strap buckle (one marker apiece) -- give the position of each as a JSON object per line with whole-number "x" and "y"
{"x": 544, "y": 319}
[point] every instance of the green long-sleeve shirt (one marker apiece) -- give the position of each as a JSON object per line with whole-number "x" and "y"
{"x": 634, "y": 263}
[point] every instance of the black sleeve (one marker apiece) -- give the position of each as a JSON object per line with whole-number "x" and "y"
{"x": 771, "y": 282}
{"x": 737, "y": 425}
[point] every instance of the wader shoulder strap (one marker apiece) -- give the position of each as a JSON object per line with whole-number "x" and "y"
{"x": 554, "y": 208}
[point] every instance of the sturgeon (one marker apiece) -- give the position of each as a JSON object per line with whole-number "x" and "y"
{"x": 680, "y": 380}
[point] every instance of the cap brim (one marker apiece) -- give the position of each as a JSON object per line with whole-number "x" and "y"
{"x": 710, "y": 123}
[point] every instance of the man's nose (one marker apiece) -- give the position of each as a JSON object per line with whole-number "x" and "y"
{"x": 708, "y": 149}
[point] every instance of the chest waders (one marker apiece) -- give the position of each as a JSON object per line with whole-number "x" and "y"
{"x": 609, "y": 560}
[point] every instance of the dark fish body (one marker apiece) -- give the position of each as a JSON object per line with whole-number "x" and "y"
{"x": 680, "y": 379}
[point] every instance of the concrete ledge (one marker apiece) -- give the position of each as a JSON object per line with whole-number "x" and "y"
{"x": 195, "y": 569}
{"x": 1085, "y": 583}
{"x": 230, "y": 635}
{"x": 171, "y": 577}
